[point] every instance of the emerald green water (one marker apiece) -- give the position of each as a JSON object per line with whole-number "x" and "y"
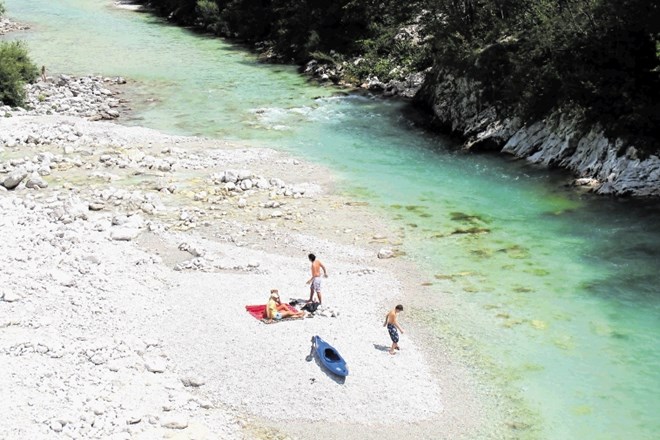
{"x": 558, "y": 291}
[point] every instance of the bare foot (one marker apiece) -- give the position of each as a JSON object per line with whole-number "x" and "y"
{"x": 391, "y": 352}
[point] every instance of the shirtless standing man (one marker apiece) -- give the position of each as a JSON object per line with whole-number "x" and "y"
{"x": 315, "y": 280}
{"x": 392, "y": 327}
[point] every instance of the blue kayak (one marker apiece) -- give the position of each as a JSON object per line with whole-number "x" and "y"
{"x": 330, "y": 357}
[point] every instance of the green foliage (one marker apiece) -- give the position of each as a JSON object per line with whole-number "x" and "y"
{"x": 598, "y": 56}
{"x": 2, "y": 9}
{"x": 15, "y": 70}
{"x": 208, "y": 13}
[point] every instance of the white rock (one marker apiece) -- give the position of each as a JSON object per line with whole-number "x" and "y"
{"x": 124, "y": 234}
{"x": 262, "y": 184}
{"x": 11, "y": 296}
{"x": 155, "y": 365}
{"x": 242, "y": 203}
{"x": 56, "y": 426}
{"x": 192, "y": 381}
{"x": 175, "y": 422}
{"x": 230, "y": 176}
{"x": 97, "y": 408}
{"x": 244, "y": 174}
{"x": 119, "y": 220}
{"x": 385, "y": 253}
{"x": 14, "y": 178}
{"x": 206, "y": 404}
{"x": 148, "y": 208}
{"x": 133, "y": 419}
{"x": 246, "y": 184}
{"x": 62, "y": 278}
{"x": 35, "y": 181}
{"x": 587, "y": 181}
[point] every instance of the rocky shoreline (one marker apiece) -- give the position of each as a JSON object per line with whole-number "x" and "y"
{"x": 7, "y": 26}
{"x": 91, "y": 97}
{"x": 325, "y": 73}
{"x": 602, "y": 165}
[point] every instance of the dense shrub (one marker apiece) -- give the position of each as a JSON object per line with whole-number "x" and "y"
{"x": 16, "y": 69}
{"x": 2, "y": 9}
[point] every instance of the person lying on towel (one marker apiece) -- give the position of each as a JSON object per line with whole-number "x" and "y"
{"x": 276, "y": 310}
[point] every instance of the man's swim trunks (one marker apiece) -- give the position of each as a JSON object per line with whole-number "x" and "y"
{"x": 316, "y": 284}
{"x": 394, "y": 335}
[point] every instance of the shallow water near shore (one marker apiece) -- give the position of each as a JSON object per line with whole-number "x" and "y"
{"x": 558, "y": 291}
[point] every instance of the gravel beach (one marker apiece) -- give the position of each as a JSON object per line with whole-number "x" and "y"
{"x": 128, "y": 259}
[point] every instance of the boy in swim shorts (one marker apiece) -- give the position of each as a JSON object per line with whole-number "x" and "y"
{"x": 392, "y": 326}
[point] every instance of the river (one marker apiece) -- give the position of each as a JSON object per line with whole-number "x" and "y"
{"x": 556, "y": 291}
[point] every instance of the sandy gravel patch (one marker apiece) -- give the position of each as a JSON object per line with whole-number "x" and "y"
{"x": 122, "y": 311}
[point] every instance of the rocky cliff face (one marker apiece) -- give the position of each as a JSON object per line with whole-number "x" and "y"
{"x": 606, "y": 166}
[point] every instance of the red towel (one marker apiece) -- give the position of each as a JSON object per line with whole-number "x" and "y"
{"x": 259, "y": 311}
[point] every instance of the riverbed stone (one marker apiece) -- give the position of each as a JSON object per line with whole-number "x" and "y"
{"x": 175, "y": 422}
{"x": 14, "y": 178}
{"x": 385, "y": 253}
{"x": 124, "y": 234}
{"x": 56, "y": 426}
{"x": 11, "y": 296}
{"x": 35, "y": 181}
{"x": 192, "y": 381}
{"x": 155, "y": 365}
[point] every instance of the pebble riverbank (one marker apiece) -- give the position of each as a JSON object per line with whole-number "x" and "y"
{"x": 91, "y": 97}
{"x": 131, "y": 255}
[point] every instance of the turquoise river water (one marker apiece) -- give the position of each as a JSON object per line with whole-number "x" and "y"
{"x": 559, "y": 291}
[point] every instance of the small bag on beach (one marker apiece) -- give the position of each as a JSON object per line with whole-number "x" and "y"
{"x": 311, "y": 307}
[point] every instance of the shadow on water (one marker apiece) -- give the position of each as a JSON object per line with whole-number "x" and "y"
{"x": 617, "y": 289}
{"x": 626, "y": 246}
